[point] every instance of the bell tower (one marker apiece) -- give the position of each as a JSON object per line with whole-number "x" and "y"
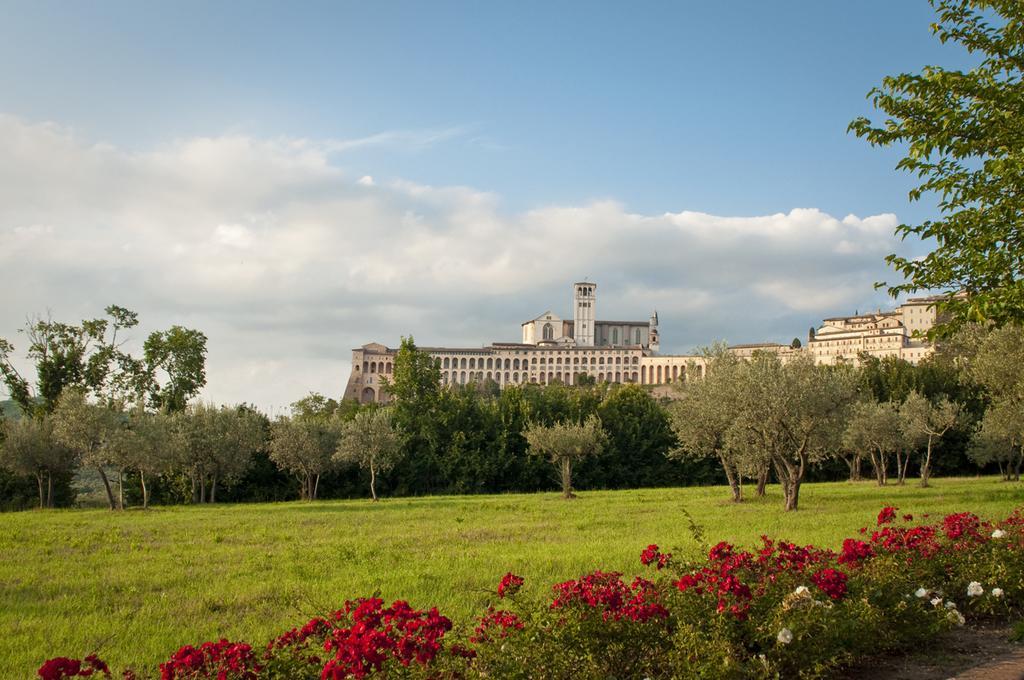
{"x": 653, "y": 337}
{"x": 583, "y": 314}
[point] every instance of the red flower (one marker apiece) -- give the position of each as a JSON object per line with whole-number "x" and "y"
{"x": 855, "y": 551}
{"x": 63, "y": 667}
{"x": 510, "y": 585}
{"x": 831, "y": 581}
{"x": 501, "y": 620}
{"x": 651, "y": 555}
{"x": 887, "y": 515}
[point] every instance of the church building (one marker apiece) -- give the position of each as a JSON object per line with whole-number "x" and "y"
{"x": 552, "y": 348}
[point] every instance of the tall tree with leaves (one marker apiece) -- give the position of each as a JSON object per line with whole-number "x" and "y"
{"x": 370, "y": 441}
{"x": 415, "y": 386}
{"x": 175, "y": 362}
{"x": 87, "y": 355}
{"x": 964, "y": 136}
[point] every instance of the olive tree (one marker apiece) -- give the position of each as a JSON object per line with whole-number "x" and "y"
{"x": 1000, "y": 439}
{"x": 304, "y": 448}
{"x": 372, "y": 442}
{"x": 216, "y": 446}
{"x": 29, "y": 447}
{"x": 792, "y": 414}
{"x": 703, "y": 413}
{"x": 875, "y": 428}
{"x": 89, "y": 430}
{"x": 925, "y": 422}
{"x": 566, "y": 442}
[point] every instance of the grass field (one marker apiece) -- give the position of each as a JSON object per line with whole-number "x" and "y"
{"x": 137, "y": 585}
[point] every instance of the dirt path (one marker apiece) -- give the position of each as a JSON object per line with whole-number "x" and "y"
{"x": 981, "y": 652}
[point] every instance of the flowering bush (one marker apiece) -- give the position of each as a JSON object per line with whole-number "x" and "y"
{"x": 782, "y": 610}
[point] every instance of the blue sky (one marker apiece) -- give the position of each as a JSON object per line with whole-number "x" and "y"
{"x": 474, "y": 119}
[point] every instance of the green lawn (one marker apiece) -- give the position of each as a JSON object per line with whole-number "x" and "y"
{"x": 137, "y": 585}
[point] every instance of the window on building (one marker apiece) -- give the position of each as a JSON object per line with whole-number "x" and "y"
{"x": 636, "y": 335}
{"x": 615, "y": 336}
{"x": 549, "y": 332}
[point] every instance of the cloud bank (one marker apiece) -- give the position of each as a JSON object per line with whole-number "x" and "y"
{"x": 287, "y": 259}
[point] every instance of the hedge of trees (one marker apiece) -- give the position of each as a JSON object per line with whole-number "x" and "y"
{"x": 747, "y": 424}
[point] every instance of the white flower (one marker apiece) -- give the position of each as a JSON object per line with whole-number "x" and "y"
{"x": 921, "y": 592}
{"x": 802, "y": 591}
{"x": 974, "y": 589}
{"x": 951, "y": 605}
{"x": 997, "y": 592}
{"x": 936, "y": 601}
{"x": 785, "y": 636}
{"x": 956, "y": 617}
{"x": 998, "y": 533}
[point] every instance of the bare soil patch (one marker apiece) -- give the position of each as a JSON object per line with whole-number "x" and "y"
{"x": 976, "y": 652}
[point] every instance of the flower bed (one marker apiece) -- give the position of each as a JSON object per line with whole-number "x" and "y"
{"x": 780, "y": 611}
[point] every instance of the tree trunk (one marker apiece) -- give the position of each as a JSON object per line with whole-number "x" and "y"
{"x": 106, "y": 485}
{"x": 145, "y": 491}
{"x": 195, "y": 489}
{"x": 213, "y": 489}
{"x": 316, "y": 486}
{"x": 762, "y": 480}
{"x": 202, "y": 488}
{"x": 899, "y": 467}
{"x": 926, "y": 466}
{"x": 120, "y": 488}
{"x": 373, "y": 482}
{"x": 39, "y": 483}
{"x": 731, "y": 477}
{"x": 49, "y": 489}
{"x": 566, "y": 477}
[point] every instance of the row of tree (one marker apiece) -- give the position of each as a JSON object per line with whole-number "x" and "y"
{"x": 748, "y": 420}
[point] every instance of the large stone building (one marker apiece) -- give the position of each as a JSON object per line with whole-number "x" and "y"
{"x": 552, "y": 349}
{"x": 896, "y": 333}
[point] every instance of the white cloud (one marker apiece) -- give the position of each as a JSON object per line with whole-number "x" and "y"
{"x": 287, "y": 262}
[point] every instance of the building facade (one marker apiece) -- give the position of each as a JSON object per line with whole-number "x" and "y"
{"x": 553, "y": 349}
{"x": 556, "y": 349}
{"x": 896, "y": 333}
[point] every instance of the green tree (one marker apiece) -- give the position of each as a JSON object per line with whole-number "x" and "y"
{"x": 964, "y": 138}
{"x": 705, "y": 412}
{"x": 564, "y": 443}
{"x": 29, "y": 447}
{"x": 415, "y": 386}
{"x": 216, "y": 446}
{"x": 1000, "y": 440}
{"x": 304, "y": 448}
{"x": 89, "y": 430}
{"x": 178, "y": 357}
{"x": 371, "y": 442}
{"x": 875, "y": 428}
{"x": 792, "y": 414}
{"x": 639, "y": 439}
{"x": 87, "y": 355}
{"x": 925, "y": 423}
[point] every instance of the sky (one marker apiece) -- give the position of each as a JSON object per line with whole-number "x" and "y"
{"x": 297, "y": 180}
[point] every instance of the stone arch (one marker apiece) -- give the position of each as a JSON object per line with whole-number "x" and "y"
{"x": 643, "y": 375}
{"x": 368, "y": 395}
{"x": 447, "y": 362}
{"x": 549, "y": 332}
